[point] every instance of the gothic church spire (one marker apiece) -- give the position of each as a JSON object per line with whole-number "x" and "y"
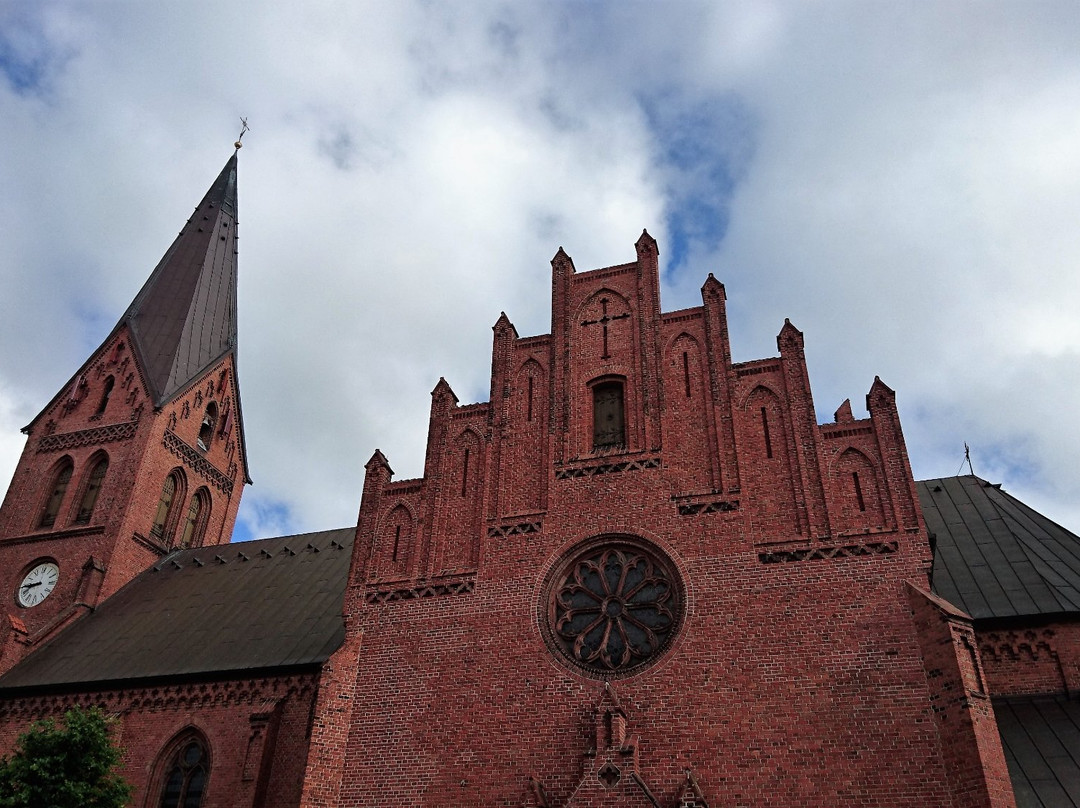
{"x": 184, "y": 318}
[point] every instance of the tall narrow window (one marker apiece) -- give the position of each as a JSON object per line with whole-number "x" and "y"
{"x": 56, "y": 496}
{"x": 397, "y": 541}
{"x": 164, "y": 507}
{"x": 91, "y": 491}
{"x": 191, "y": 536}
{"x": 185, "y": 777}
{"x": 530, "y": 398}
{"x": 858, "y": 490}
{"x": 105, "y": 393}
{"x": 765, "y": 431}
{"x": 686, "y": 372}
{"x": 206, "y": 429}
{"x": 609, "y": 420}
{"x": 465, "y": 474}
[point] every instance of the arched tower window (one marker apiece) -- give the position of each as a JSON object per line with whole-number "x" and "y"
{"x": 195, "y": 522}
{"x": 609, "y": 418}
{"x": 105, "y": 393}
{"x": 91, "y": 490}
{"x": 184, "y": 774}
{"x": 171, "y": 492}
{"x": 206, "y": 429}
{"x": 56, "y": 496}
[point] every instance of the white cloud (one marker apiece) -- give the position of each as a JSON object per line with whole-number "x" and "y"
{"x": 905, "y": 188}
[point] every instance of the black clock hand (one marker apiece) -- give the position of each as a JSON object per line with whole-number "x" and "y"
{"x": 31, "y": 586}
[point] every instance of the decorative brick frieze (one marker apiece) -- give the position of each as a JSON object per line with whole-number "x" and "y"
{"x": 603, "y": 274}
{"x": 821, "y": 553}
{"x": 514, "y": 529}
{"x": 70, "y": 533}
{"x": 534, "y": 342}
{"x": 711, "y": 506}
{"x": 466, "y": 409}
{"x": 682, "y": 315}
{"x": 192, "y": 696}
{"x": 460, "y": 586}
{"x": 832, "y": 434}
{"x": 754, "y": 370}
{"x": 87, "y": 437}
{"x": 403, "y": 487}
{"x": 596, "y": 469}
{"x": 998, "y": 645}
{"x": 196, "y": 462}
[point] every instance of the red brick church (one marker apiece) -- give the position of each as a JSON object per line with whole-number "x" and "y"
{"x": 640, "y": 574}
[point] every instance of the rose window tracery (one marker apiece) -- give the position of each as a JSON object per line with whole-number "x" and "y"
{"x": 613, "y": 608}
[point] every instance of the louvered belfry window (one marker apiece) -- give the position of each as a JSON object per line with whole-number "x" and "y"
{"x": 90, "y": 493}
{"x": 60, "y": 486}
{"x": 609, "y": 420}
{"x": 168, "y": 492}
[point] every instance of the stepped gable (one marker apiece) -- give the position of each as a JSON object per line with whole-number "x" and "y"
{"x": 995, "y": 557}
{"x": 269, "y": 604}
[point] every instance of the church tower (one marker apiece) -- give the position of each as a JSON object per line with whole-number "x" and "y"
{"x": 142, "y": 450}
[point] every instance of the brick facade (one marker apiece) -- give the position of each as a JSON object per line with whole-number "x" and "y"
{"x": 255, "y": 731}
{"x": 796, "y": 673}
{"x": 641, "y": 574}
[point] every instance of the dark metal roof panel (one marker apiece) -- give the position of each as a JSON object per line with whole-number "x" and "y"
{"x": 1041, "y": 739}
{"x": 996, "y": 557}
{"x": 262, "y": 604}
{"x": 184, "y": 317}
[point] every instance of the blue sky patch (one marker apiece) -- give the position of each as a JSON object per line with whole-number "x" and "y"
{"x": 26, "y": 60}
{"x": 260, "y": 520}
{"x": 705, "y": 145}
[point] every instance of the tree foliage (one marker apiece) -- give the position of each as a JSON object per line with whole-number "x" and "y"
{"x": 64, "y": 765}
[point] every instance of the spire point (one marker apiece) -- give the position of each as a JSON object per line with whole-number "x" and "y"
{"x": 243, "y": 128}
{"x": 184, "y": 318}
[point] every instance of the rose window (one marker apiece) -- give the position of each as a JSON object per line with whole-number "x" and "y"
{"x": 613, "y": 608}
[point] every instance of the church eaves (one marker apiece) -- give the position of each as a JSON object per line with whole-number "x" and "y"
{"x": 184, "y": 318}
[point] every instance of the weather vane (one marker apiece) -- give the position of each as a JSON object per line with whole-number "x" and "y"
{"x": 243, "y": 128}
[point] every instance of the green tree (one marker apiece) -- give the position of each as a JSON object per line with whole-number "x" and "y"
{"x": 67, "y": 765}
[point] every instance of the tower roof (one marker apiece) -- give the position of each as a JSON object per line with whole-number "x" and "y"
{"x": 184, "y": 317}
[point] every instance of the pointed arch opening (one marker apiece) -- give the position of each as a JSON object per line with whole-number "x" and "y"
{"x": 856, "y": 492}
{"x": 172, "y": 492}
{"x": 106, "y": 392}
{"x": 609, "y": 414}
{"x": 60, "y": 481}
{"x": 769, "y": 479}
{"x": 183, "y": 772}
{"x": 206, "y": 428}
{"x": 198, "y": 514}
{"x": 92, "y": 488}
{"x": 397, "y": 543}
{"x": 529, "y": 389}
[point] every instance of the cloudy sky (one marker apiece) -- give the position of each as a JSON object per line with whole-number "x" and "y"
{"x": 902, "y": 180}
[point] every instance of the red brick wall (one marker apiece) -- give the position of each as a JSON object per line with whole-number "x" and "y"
{"x": 971, "y": 746}
{"x": 256, "y": 730}
{"x": 797, "y": 677}
{"x": 1039, "y": 660}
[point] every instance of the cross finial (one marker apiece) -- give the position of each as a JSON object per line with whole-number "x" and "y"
{"x": 243, "y": 128}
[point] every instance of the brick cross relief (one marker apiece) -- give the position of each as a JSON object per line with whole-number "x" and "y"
{"x": 605, "y": 318}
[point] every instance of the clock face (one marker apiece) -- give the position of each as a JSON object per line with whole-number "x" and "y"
{"x": 38, "y": 584}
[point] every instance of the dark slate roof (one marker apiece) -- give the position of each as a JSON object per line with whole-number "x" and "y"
{"x": 1041, "y": 738}
{"x": 994, "y": 557}
{"x": 184, "y": 317}
{"x": 263, "y": 604}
